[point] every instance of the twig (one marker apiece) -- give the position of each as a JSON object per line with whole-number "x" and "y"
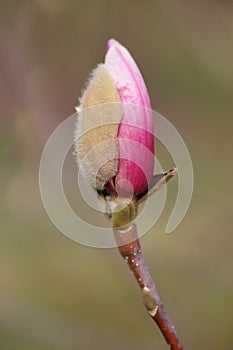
{"x": 132, "y": 254}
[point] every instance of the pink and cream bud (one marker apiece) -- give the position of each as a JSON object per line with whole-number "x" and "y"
{"x": 115, "y": 142}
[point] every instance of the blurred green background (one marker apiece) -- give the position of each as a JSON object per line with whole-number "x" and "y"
{"x": 56, "y": 294}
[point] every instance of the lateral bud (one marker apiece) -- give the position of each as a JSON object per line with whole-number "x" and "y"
{"x": 149, "y": 301}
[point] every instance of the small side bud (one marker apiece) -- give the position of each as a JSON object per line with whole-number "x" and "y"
{"x": 149, "y": 301}
{"x": 123, "y": 211}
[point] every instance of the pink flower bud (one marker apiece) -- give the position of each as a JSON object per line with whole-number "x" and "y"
{"x": 116, "y": 156}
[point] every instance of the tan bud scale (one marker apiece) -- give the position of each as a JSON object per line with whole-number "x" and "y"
{"x": 96, "y": 145}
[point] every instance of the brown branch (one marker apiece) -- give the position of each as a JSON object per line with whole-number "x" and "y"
{"x": 132, "y": 254}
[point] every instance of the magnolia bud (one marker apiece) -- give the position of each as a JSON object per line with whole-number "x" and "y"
{"x": 114, "y": 134}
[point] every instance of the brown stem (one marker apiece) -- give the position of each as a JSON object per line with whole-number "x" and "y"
{"x": 132, "y": 254}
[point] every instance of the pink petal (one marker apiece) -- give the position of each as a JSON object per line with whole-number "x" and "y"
{"x": 136, "y": 159}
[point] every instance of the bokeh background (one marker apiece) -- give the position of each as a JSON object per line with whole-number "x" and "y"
{"x": 57, "y": 294}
